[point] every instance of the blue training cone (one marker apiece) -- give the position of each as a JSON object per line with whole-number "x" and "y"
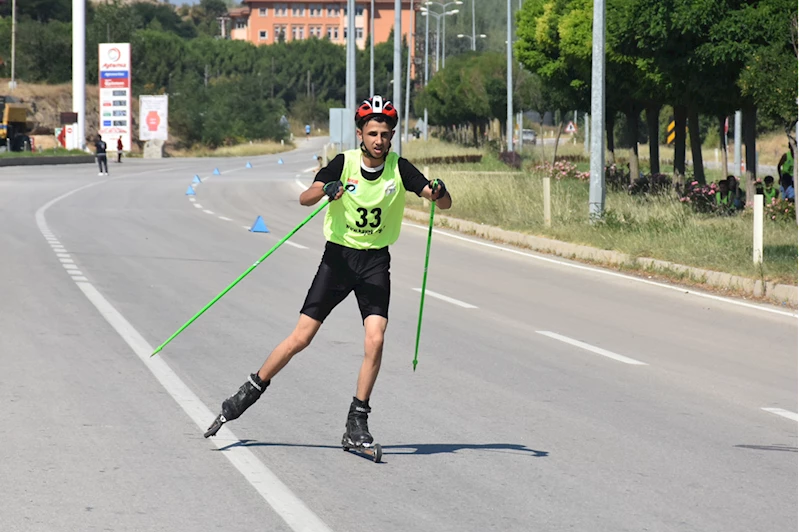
{"x": 196, "y": 180}
{"x": 216, "y": 171}
{"x": 190, "y": 191}
{"x": 248, "y": 165}
{"x": 259, "y": 226}
{"x": 280, "y": 161}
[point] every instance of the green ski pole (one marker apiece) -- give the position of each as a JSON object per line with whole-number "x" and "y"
{"x": 424, "y": 282}
{"x": 242, "y": 276}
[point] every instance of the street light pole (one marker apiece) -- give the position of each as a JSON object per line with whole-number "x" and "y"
{"x": 509, "y": 117}
{"x": 13, "y": 83}
{"x": 474, "y": 37}
{"x": 426, "y": 69}
{"x": 411, "y": 27}
{"x": 397, "y": 146}
{"x": 372, "y": 50}
{"x": 351, "y": 142}
{"x": 596, "y": 188}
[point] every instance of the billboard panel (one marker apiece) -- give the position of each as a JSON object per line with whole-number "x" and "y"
{"x": 153, "y": 117}
{"x": 114, "y": 77}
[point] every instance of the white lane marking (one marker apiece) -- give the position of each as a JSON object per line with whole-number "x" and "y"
{"x": 197, "y": 205}
{"x": 62, "y": 255}
{"x": 247, "y": 227}
{"x": 294, "y": 512}
{"x": 784, "y": 413}
{"x": 192, "y": 199}
{"x": 298, "y": 246}
{"x": 299, "y": 184}
{"x": 75, "y": 272}
{"x": 69, "y": 266}
{"x": 206, "y": 211}
{"x": 225, "y": 218}
{"x": 66, "y": 261}
{"x": 446, "y": 298}
{"x": 593, "y": 349}
{"x": 79, "y": 278}
{"x": 311, "y": 169}
{"x": 605, "y": 272}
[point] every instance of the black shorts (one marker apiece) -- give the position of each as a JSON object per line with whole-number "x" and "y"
{"x": 343, "y": 270}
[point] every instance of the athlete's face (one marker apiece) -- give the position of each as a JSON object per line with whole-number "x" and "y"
{"x": 376, "y": 136}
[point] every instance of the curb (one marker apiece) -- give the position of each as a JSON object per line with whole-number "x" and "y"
{"x": 47, "y": 160}
{"x": 775, "y": 293}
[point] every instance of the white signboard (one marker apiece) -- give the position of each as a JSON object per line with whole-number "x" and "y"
{"x": 153, "y": 117}
{"x": 115, "y": 117}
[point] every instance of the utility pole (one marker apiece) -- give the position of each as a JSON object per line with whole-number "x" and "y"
{"x": 596, "y": 190}
{"x": 738, "y": 119}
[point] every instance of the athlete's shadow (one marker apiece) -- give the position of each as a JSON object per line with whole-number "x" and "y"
{"x": 440, "y": 448}
{"x": 411, "y": 449}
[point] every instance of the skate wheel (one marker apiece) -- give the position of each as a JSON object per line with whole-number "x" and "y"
{"x": 346, "y": 448}
{"x": 378, "y": 453}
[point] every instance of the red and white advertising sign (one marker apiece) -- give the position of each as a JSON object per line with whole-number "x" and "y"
{"x": 115, "y": 112}
{"x": 153, "y": 117}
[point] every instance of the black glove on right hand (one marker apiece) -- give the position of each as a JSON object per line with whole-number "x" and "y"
{"x": 332, "y": 189}
{"x": 437, "y": 186}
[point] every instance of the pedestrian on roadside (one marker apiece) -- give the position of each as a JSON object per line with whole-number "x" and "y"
{"x": 102, "y": 159}
{"x": 119, "y": 149}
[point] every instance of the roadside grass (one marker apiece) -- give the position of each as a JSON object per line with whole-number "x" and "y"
{"x": 239, "y": 150}
{"x": 44, "y": 153}
{"x": 658, "y": 227}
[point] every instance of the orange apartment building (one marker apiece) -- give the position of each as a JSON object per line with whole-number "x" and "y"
{"x": 263, "y": 21}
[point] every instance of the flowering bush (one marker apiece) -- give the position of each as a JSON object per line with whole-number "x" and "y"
{"x": 561, "y": 170}
{"x": 701, "y": 198}
{"x": 780, "y": 211}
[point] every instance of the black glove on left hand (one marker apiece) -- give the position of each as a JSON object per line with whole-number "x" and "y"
{"x": 437, "y": 185}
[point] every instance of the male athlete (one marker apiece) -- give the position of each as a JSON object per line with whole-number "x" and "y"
{"x": 366, "y": 188}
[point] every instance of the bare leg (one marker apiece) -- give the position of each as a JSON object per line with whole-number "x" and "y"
{"x": 298, "y": 340}
{"x": 375, "y": 330}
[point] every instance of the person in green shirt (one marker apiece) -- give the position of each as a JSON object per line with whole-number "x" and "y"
{"x": 366, "y": 188}
{"x": 785, "y": 165}
{"x": 770, "y": 192}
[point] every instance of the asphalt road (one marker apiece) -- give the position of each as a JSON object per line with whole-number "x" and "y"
{"x": 549, "y": 395}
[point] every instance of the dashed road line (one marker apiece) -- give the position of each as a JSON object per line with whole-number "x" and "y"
{"x": 446, "y": 298}
{"x": 793, "y": 416}
{"x": 593, "y": 349}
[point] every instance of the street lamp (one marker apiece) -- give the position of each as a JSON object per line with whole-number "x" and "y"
{"x": 439, "y": 16}
{"x": 472, "y": 39}
{"x": 444, "y": 7}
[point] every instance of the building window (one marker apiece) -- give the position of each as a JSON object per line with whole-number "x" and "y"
{"x": 333, "y": 10}
{"x": 316, "y": 10}
{"x": 262, "y": 35}
{"x": 280, "y": 31}
{"x": 298, "y": 10}
{"x": 241, "y": 24}
{"x": 297, "y": 33}
{"x": 315, "y": 31}
{"x": 359, "y": 33}
{"x": 263, "y": 11}
{"x": 345, "y": 33}
{"x": 281, "y": 10}
{"x": 332, "y": 33}
{"x": 358, "y": 11}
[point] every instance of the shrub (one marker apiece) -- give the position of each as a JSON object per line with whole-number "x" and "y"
{"x": 780, "y": 211}
{"x": 561, "y": 170}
